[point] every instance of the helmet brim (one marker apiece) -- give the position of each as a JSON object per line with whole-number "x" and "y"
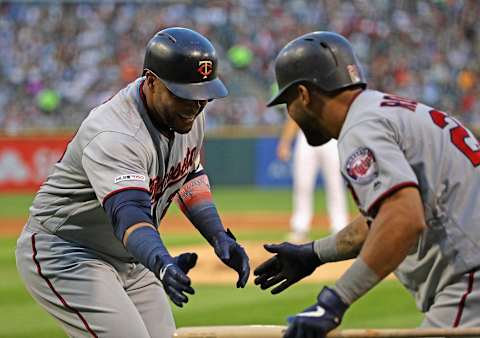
{"x": 208, "y": 90}
{"x": 279, "y": 98}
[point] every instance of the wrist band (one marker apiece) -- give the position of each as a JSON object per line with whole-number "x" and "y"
{"x": 326, "y": 249}
{"x": 356, "y": 281}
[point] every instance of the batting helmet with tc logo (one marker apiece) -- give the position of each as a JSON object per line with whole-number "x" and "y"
{"x": 186, "y": 62}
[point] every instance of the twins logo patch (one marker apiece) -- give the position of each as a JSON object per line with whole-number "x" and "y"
{"x": 361, "y": 166}
{"x": 129, "y": 177}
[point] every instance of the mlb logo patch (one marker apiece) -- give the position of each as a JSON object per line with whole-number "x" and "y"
{"x": 361, "y": 166}
{"x": 129, "y": 177}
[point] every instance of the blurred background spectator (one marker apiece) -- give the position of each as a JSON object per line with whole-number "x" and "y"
{"x": 60, "y": 59}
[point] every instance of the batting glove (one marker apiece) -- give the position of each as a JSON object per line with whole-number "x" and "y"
{"x": 173, "y": 275}
{"x": 319, "y": 319}
{"x": 233, "y": 255}
{"x": 290, "y": 264}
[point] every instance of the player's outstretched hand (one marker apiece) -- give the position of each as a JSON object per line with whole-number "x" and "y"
{"x": 318, "y": 319}
{"x": 233, "y": 255}
{"x": 291, "y": 263}
{"x": 173, "y": 275}
{"x": 186, "y": 261}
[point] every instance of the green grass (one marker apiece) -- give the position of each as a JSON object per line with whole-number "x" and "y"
{"x": 15, "y": 205}
{"x": 252, "y": 199}
{"x": 228, "y": 199}
{"x": 266, "y": 236}
{"x": 388, "y": 305}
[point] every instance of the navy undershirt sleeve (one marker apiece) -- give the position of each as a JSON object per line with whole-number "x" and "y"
{"x": 127, "y": 208}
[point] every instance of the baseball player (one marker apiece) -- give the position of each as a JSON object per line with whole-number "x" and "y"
{"x": 90, "y": 253}
{"x": 413, "y": 171}
{"x": 307, "y": 161}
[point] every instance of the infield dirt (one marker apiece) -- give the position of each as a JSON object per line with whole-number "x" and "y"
{"x": 209, "y": 268}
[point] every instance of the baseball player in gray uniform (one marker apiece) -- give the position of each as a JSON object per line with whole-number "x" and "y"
{"x": 413, "y": 171}
{"x": 90, "y": 253}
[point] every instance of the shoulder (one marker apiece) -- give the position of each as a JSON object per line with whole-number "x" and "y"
{"x": 374, "y": 112}
{"x": 118, "y": 117}
{"x": 113, "y": 142}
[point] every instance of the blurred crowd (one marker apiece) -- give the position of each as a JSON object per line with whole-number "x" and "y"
{"x": 60, "y": 59}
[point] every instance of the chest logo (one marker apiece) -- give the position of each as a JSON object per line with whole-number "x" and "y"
{"x": 205, "y": 68}
{"x": 361, "y": 166}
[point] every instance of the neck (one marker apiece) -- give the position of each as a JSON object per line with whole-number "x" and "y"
{"x": 336, "y": 110}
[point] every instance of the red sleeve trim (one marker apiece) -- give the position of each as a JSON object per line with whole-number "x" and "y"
{"x": 389, "y": 192}
{"x": 110, "y": 194}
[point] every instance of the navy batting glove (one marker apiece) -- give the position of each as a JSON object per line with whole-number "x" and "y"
{"x": 319, "y": 319}
{"x": 233, "y": 255}
{"x": 173, "y": 275}
{"x": 290, "y": 264}
{"x": 186, "y": 261}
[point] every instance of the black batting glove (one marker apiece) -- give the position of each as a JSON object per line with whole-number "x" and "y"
{"x": 291, "y": 263}
{"x": 233, "y": 255}
{"x": 319, "y": 319}
{"x": 173, "y": 275}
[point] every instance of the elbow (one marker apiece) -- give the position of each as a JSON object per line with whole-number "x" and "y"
{"x": 413, "y": 227}
{"x": 419, "y": 226}
{"x": 408, "y": 206}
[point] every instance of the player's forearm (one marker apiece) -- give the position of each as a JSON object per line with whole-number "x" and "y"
{"x": 394, "y": 231}
{"x": 195, "y": 201}
{"x": 143, "y": 242}
{"x": 344, "y": 245}
{"x": 350, "y": 240}
{"x": 133, "y": 228}
{"x": 130, "y": 214}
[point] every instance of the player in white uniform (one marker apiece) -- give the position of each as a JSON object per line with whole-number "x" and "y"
{"x": 307, "y": 162}
{"x": 413, "y": 171}
{"x": 90, "y": 253}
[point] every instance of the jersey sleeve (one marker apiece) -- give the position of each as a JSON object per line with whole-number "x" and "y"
{"x": 373, "y": 164}
{"x": 115, "y": 162}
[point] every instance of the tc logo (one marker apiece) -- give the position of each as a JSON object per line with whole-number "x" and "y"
{"x": 205, "y": 68}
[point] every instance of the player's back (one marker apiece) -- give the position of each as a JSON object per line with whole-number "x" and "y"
{"x": 442, "y": 159}
{"x": 66, "y": 203}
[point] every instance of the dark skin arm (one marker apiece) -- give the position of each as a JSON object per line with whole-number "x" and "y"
{"x": 394, "y": 231}
{"x": 351, "y": 238}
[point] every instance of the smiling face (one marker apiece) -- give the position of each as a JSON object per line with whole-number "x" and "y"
{"x": 305, "y": 108}
{"x": 170, "y": 110}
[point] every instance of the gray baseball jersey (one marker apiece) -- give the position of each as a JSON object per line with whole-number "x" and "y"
{"x": 68, "y": 255}
{"x": 388, "y": 142}
{"x": 113, "y": 151}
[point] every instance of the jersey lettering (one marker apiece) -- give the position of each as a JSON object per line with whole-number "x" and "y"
{"x": 459, "y": 135}
{"x": 167, "y": 204}
{"x": 176, "y": 173}
{"x": 398, "y": 101}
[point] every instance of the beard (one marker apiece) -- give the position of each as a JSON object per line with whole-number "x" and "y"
{"x": 315, "y": 135}
{"x": 316, "y": 140}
